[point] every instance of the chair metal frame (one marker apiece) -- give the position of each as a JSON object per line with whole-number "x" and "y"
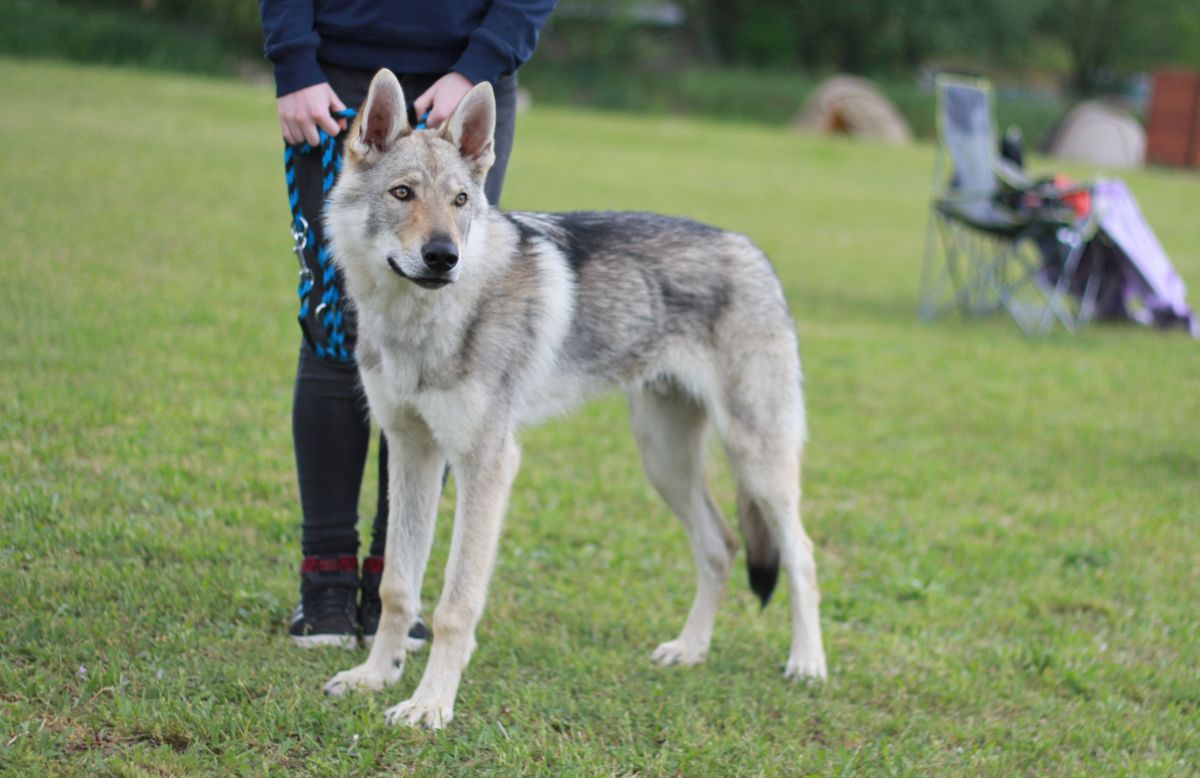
{"x": 985, "y": 249}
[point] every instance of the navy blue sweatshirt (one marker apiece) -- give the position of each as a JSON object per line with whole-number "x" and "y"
{"x": 480, "y": 39}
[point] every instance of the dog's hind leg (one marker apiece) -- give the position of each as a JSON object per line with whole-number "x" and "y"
{"x": 762, "y": 424}
{"x": 484, "y": 477}
{"x": 780, "y": 509}
{"x": 669, "y": 427}
{"x": 415, "y": 467}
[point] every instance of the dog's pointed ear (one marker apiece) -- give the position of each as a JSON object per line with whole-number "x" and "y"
{"x": 472, "y": 129}
{"x": 382, "y": 121}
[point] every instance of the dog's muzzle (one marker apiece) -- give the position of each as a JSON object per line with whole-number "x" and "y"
{"x": 425, "y": 282}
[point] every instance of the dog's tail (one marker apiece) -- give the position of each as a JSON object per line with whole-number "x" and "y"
{"x": 762, "y": 555}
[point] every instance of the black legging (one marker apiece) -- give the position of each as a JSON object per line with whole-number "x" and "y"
{"x": 331, "y": 430}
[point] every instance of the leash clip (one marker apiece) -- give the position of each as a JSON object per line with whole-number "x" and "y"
{"x": 299, "y": 230}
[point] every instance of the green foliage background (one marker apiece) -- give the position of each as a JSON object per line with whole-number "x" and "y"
{"x": 871, "y": 36}
{"x": 880, "y": 35}
{"x": 729, "y": 59}
{"x": 1088, "y": 39}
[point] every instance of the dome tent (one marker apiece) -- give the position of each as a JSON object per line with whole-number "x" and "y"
{"x": 1099, "y": 134}
{"x": 850, "y": 105}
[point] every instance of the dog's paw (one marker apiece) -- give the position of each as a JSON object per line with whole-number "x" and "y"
{"x": 419, "y": 713}
{"x": 678, "y": 652}
{"x": 363, "y": 677}
{"x": 806, "y": 668}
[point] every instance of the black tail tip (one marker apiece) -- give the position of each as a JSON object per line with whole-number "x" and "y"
{"x": 763, "y": 579}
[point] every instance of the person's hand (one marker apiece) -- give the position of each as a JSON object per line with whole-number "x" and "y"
{"x": 442, "y": 98}
{"x": 303, "y": 111}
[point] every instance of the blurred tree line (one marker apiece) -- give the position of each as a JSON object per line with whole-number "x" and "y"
{"x": 1093, "y": 38}
{"x": 883, "y": 36}
{"x": 236, "y": 21}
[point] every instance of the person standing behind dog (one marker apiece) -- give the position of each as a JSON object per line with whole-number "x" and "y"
{"x": 324, "y": 55}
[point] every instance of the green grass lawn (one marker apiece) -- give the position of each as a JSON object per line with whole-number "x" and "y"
{"x": 1008, "y": 532}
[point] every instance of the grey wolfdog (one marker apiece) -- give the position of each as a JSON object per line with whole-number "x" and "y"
{"x": 473, "y": 322}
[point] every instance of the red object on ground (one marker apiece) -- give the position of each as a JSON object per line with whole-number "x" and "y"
{"x": 1173, "y": 126}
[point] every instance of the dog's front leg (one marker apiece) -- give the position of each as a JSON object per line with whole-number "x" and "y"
{"x": 485, "y": 478}
{"x": 414, "y": 485}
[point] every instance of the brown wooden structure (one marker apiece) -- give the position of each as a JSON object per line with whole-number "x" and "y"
{"x": 1173, "y": 131}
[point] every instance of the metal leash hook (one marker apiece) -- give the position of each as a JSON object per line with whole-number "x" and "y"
{"x": 299, "y": 230}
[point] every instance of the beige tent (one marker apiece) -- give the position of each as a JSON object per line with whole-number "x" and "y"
{"x": 852, "y": 106}
{"x": 1099, "y": 134}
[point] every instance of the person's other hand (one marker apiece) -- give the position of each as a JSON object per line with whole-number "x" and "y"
{"x": 303, "y": 111}
{"x": 442, "y": 98}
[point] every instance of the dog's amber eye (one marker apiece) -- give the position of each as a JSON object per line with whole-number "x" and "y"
{"x": 461, "y": 199}
{"x": 401, "y": 192}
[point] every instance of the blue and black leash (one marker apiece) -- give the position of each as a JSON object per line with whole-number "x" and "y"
{"x": 330, "y": 312}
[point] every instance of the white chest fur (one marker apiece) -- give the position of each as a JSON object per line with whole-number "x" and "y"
{"x": 411, "y": 347}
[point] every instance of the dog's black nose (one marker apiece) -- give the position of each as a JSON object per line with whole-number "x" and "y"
{"x": 440, "y": 255}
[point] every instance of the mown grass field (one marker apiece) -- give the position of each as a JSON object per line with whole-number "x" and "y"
{"x": 1008, "y": 532}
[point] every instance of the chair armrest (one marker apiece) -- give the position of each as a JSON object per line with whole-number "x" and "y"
{"x": 1010, "y": 176}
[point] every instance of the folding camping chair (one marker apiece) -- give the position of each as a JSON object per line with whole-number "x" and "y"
{"x": 997, "y": 240}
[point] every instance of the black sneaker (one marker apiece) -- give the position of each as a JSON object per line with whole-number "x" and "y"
{"x": 326, "y": 615}
{"x": 370, "y": 607}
